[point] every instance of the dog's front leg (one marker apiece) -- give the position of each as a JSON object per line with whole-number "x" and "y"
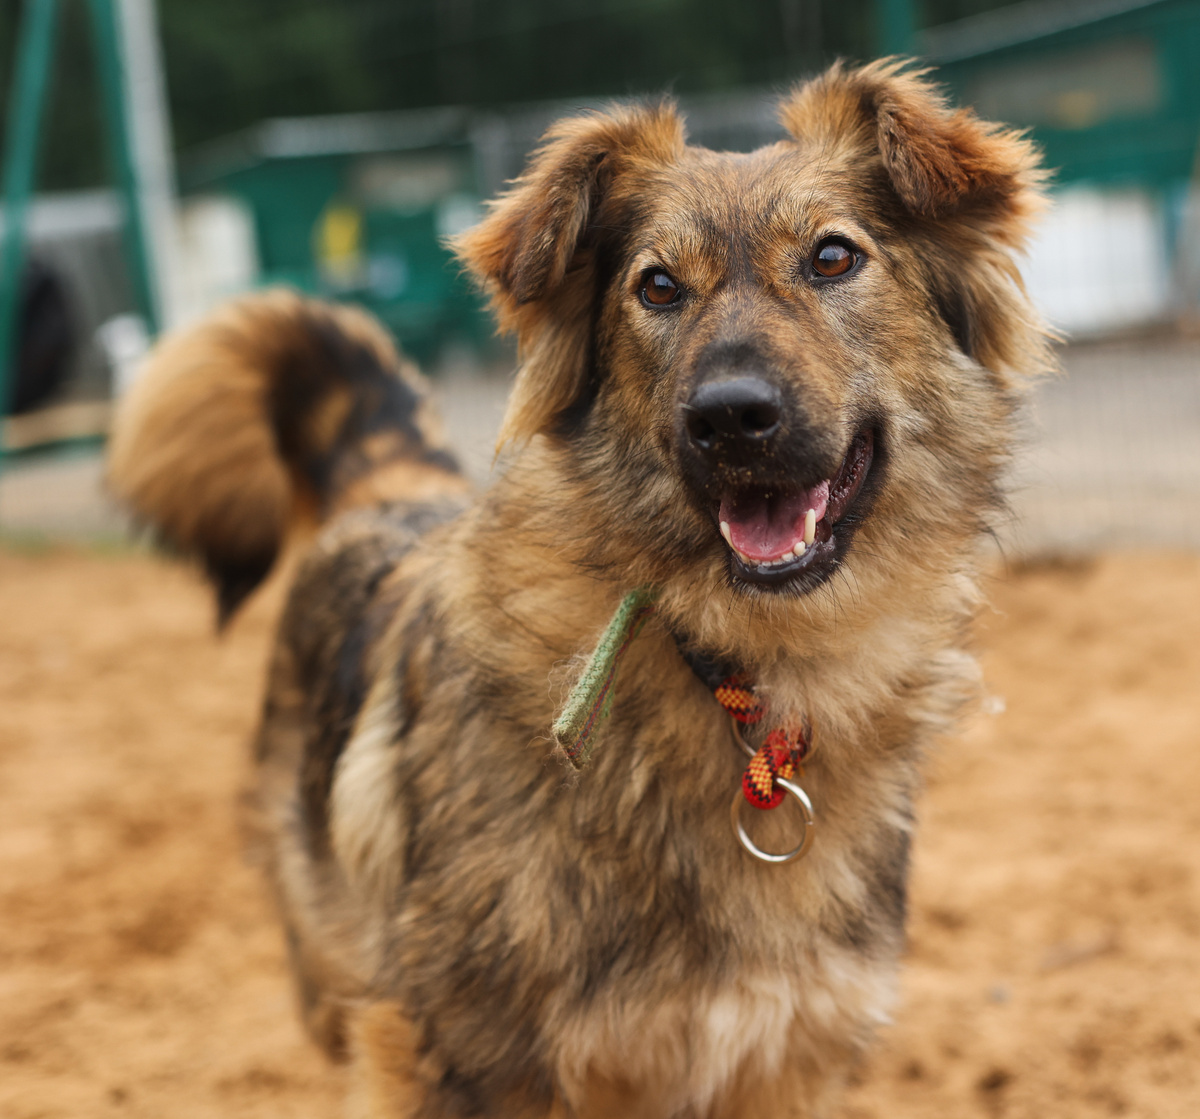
{"x": 808, "y": 1085}
{"x": 396, "y": 1076}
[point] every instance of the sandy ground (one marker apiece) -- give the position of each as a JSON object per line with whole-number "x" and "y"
{"x": 1054, "y": 968}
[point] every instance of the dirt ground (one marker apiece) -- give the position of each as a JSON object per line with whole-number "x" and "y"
{"x": 1054, "y": 968}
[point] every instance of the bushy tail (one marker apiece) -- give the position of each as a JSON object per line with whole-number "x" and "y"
{"x": 275, "y": 411}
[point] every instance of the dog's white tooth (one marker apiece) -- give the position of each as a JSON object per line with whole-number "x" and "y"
{"x": 810, "y": 527}
{"x": 726, "y": 533}
{"x": 799, "y": 548}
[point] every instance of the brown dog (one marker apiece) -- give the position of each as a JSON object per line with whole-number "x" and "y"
{"x": 773, "y": 391}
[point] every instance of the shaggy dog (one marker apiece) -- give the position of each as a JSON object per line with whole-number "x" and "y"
{"x": 770, "y": 394}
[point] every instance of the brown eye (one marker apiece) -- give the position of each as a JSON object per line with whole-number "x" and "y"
{"x": 834, "y": 258}
{"x": 658, "y": 289}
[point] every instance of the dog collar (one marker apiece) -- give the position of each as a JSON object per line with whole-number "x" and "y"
{"x": 767, "y": 779}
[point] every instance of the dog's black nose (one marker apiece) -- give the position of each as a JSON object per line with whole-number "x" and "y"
{"x": 735, "y": 413}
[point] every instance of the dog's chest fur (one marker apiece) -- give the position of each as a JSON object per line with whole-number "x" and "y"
{"x": 610, "y": 926}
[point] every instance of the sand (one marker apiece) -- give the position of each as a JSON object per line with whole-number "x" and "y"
{"x": 1054, "y": 966}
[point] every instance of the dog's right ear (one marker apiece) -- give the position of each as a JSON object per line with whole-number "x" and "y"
{"x": 531, "y": 252}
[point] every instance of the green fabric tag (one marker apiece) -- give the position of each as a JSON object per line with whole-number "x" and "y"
{"x": 591, "y": 699}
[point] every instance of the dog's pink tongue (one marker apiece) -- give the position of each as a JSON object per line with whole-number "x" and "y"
{"x": 767, "y": 526}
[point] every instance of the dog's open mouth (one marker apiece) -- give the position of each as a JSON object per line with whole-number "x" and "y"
{"x": 776, "y": 534}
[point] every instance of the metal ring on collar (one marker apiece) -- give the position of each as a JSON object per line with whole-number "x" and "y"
{"x": 739, "y": 738}
{"x": 797, "y": 852}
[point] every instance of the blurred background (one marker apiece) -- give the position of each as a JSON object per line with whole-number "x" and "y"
{"x": 160, "y": 157}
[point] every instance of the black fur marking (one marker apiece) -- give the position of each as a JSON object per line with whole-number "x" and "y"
{"x": 420, "y": 622}
{"x": 235, "y": 579}
{"x": 414, "y": 854}
{"x": 890, "y": 878}
{"x": 341, "y": 587}
{"x": 381, "y": 403}
{"x": 711, "y": 671}
{"x": 570, "y": 422}
{"x": 952, "y": 306}
{"x": 458, "y": 1095}
{"x": 338, "y": 691}
{"x": 877, "y": 926}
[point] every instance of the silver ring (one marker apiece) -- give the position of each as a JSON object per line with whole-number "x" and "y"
{"x": 747, "y": 749}
{"x": 806, "y": 839}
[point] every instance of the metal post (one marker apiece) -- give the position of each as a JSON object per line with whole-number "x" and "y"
{"x": 149, "y": 128}
{"x": 35, "y": 42}
{"x": 113, "y": 79}
{"x": 897, "y": 26}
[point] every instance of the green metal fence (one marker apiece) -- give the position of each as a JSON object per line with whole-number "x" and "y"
{"x": 33, "y": 73}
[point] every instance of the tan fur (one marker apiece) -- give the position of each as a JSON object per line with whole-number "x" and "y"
{"x": 481, "y": 931}
{"x": 208, "y": 411}
{"x": 165, "y": 442}
{"x": 205, "y": 437}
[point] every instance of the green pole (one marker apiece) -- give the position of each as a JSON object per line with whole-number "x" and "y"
{"x": 35, "y": 43}
{"x": 113, "y": 83}
{"x": 897, "y": 26}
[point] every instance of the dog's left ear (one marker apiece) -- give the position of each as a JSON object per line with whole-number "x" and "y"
{"x": 937, "y": 158}
{"x": 967, "y": 187}
{"x": 532, "y": 253}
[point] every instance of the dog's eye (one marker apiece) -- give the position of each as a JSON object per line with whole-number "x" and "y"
{"x": 659, "y": 290}
{"x": 834, "y": 258}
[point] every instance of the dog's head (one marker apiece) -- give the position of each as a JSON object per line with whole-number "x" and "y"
{"x": 766, "y": 366}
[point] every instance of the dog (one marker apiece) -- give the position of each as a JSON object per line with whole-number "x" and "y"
{"x": 760, "y": 423}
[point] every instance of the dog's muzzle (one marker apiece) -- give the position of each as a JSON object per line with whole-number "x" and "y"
{"x": 779, "y": 490}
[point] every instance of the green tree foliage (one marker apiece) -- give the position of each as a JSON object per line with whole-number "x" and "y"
{"x": 231, "y": 63}
{"x": 73, "y": 153}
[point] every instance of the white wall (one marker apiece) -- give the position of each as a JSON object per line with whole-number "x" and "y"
{"x": 218, "y": 255}
{"x": 1100, "y": 261}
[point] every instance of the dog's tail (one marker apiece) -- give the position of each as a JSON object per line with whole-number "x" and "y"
{"x": 273, "y": 414}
